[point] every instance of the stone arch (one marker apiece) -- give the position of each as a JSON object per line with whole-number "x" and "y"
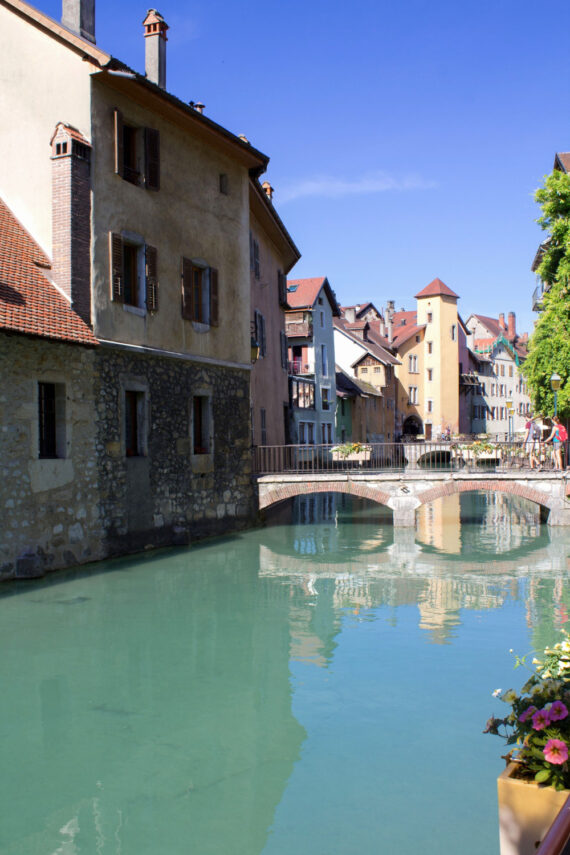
{"x": 281, "y": 492}
{"x": 412, "y": 426}
{"x": 450, "y": 488}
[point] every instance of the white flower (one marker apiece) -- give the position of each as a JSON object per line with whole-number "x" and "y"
{"x": 509, "y": 696}
{"x": 497, "y": 692}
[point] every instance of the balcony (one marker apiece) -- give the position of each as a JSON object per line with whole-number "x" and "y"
{"x": 537, "y": 295}
{"x": 298, "y": 367}
{"x": 299, "y": 329}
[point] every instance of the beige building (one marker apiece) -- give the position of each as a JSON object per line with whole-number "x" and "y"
{"x": 272, "y": 255}
{"x": 141, "y": 205}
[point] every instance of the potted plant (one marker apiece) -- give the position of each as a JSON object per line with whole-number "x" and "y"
{"x": 352, "y": 451}
{"x": 536, "y": 783}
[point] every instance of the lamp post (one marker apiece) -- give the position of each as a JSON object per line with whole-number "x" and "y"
{"x": 510, "y": 410}
{"x": 555, "y": 382}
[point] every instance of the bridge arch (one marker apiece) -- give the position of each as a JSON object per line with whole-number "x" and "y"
{"x": 281, "y": 492}
{"x": 512, "y": 488}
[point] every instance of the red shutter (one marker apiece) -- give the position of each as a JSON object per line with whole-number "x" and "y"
{"x": 119, "y": 155}
{"x": 116, "y": 255}
{"x": 152, "y": 158}
{"x": 151, "y": 259}
{"x": 187, "y": 290}
{"x": 214, "y": 311}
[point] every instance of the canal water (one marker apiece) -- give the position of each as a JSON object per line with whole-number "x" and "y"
{"x": 317, "y": 687}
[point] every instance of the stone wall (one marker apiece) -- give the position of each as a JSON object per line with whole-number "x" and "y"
{"x": 94, "y": 501}
{"x": 168, "y": 494}
{"x": 50, "y": 507}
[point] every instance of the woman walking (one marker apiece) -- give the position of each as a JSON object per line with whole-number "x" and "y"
{"x": 556, "y": 441}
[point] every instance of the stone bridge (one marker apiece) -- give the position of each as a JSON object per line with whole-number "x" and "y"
{"x": 405, "y": 492}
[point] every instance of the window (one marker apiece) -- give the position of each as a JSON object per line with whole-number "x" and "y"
{"x": 224, "y": 184}
{"x": 306, "y": 433}
{"x": 137, "y": 149}
{"x": 201, "y": 424}
{"x": 412, "y": 364}
{"x": 199, "y": 292}
{"x": 283, "y": 341}
{"x": 134, "y": 423}
{"x": 324, "y": 360}
{"x": 134, "y": 272}
{"x": 302, "y": 394}
{"x": 322, "y": 319}
{"x": 263, "y": 426}
{"x": 326, "y": 433}
{"x": 377, "y": 369}
{"x": 510, "y": 370}
{"x": 430, "y": 406}
{"x": 493, "y": 413}
{"x": 430, "y": 346}
{"x": 429, "y": 317}
{"x": 260, "y": 337}
{"x": 51, "y": 420}
{"x": 363, "y": 369}
{"x": 430, "y": 374}
{"x": 254, "y": 265}
{"x": 502, "y": 412}
{"x": 412, "y": 394}
{"x": 454, "y": 332}
{"x": 502, "y": 370}
{"x": 325, "y": 399}
{"x": 282, "y": 288}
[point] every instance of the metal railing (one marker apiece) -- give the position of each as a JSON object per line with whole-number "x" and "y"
{"x": 402, "y": 456}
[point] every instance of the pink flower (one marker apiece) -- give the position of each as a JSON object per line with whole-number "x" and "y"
{"x": 527, "y": 713}
{"x": 541, "y": 719}
{"x": 556, "y": 751}
{"x": 557, "y": 711}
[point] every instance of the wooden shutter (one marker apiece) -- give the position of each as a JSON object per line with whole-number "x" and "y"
{"x": 151, "y": 273}
{"x": 283, "y": 350}
{"x": 214, "y": 310}
{"x": 116, "y": 255}
{"x": 282, "y": 288}
{"x": 187, "y": 290}
{"x": 119, "y": 154}
{"x": 257, "y": 269}
{"x": 152, "y": 158}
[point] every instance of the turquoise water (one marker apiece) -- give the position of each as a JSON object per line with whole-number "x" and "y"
{"x": 314, "y": 687}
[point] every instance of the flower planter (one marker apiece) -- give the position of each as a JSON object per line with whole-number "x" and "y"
{"x": 358, "y": 456}
{"x": 526, "y": 812}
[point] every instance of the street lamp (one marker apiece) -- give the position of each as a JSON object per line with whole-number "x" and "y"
{"x": 510, "y": 410}
{"x": 555, "y": 382}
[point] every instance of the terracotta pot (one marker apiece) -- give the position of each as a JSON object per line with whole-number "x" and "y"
{"x": 526, "y": 812}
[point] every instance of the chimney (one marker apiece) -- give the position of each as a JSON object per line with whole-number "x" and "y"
{"x": 350, "y": 314}
{"x": 512, "y": 325}
{"x": 268, "y": 189}
{"x": 71, "y": 217}
{"x": 155, "y": 28}
{"x": 502, "y": 323}
{"x": 390, "y": 320}
{"x": 79, "y": 17}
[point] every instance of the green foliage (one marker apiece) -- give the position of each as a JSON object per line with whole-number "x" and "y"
{"x": 549, "y": 345}
{"x": 538, "y": 725}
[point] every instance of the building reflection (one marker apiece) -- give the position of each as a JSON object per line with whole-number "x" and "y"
{"x": 470, "y": 552}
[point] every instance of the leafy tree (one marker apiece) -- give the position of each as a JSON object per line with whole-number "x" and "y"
{"x": 549, "y": 344}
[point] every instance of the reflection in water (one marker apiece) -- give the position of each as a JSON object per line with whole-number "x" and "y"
{"x": 171, "y": 704}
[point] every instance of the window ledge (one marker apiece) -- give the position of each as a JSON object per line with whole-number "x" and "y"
{"x": 134, "y": 310}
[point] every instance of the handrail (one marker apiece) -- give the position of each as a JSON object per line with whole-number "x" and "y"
{"x": 557, "y": 840}
{"x": 404, "y": 456}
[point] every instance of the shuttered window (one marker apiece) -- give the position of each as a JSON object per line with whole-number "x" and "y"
{"x": 282, "y": 288}
{"x": 152, "y": 158}
{"x": 260, "y": 337}
{"x": 200, "y": 299}
{"x": 117, "y": 291}
{"x": 151, "y": 271}
{"x": 283, "y": 350}
{"x": 127, "y": 262}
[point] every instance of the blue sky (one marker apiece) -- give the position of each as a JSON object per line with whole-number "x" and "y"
{"x": 406, "y": 139}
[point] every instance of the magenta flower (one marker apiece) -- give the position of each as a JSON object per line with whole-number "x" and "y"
{"x": 556, "y": 751}
{"x": 541, "y": 719}
{"x": 527, "y": 713}
{"x": 557, "y": 711}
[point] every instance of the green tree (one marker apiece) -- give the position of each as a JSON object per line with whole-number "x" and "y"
{"x": 549, "y": 344}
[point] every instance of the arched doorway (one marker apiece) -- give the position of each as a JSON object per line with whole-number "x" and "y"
{"x": 412, "y": 426}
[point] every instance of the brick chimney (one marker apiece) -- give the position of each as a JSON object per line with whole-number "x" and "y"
{"x": 512, "y": 326}
{"x": 155, "y": 28}
{"x": 71, "y": 217}
{"x": 79, "y": 17}
{"x": 502, "y": 323}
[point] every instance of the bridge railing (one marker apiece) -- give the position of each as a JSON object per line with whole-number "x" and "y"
{"x": 401, "y": 456}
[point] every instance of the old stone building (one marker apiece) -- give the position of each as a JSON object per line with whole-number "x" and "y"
{"x": 139, "y": 203}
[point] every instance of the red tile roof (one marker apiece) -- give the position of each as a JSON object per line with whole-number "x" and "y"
{"x": 303, "y": 293}
{"x": 401, "y": 318}
{"x": 492, "y": 324}
{"x": 402, "y": 334}
{"x": 437, "y": 288}
{"x": 562, "y": 161}
{"x": 29, "y": 303}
